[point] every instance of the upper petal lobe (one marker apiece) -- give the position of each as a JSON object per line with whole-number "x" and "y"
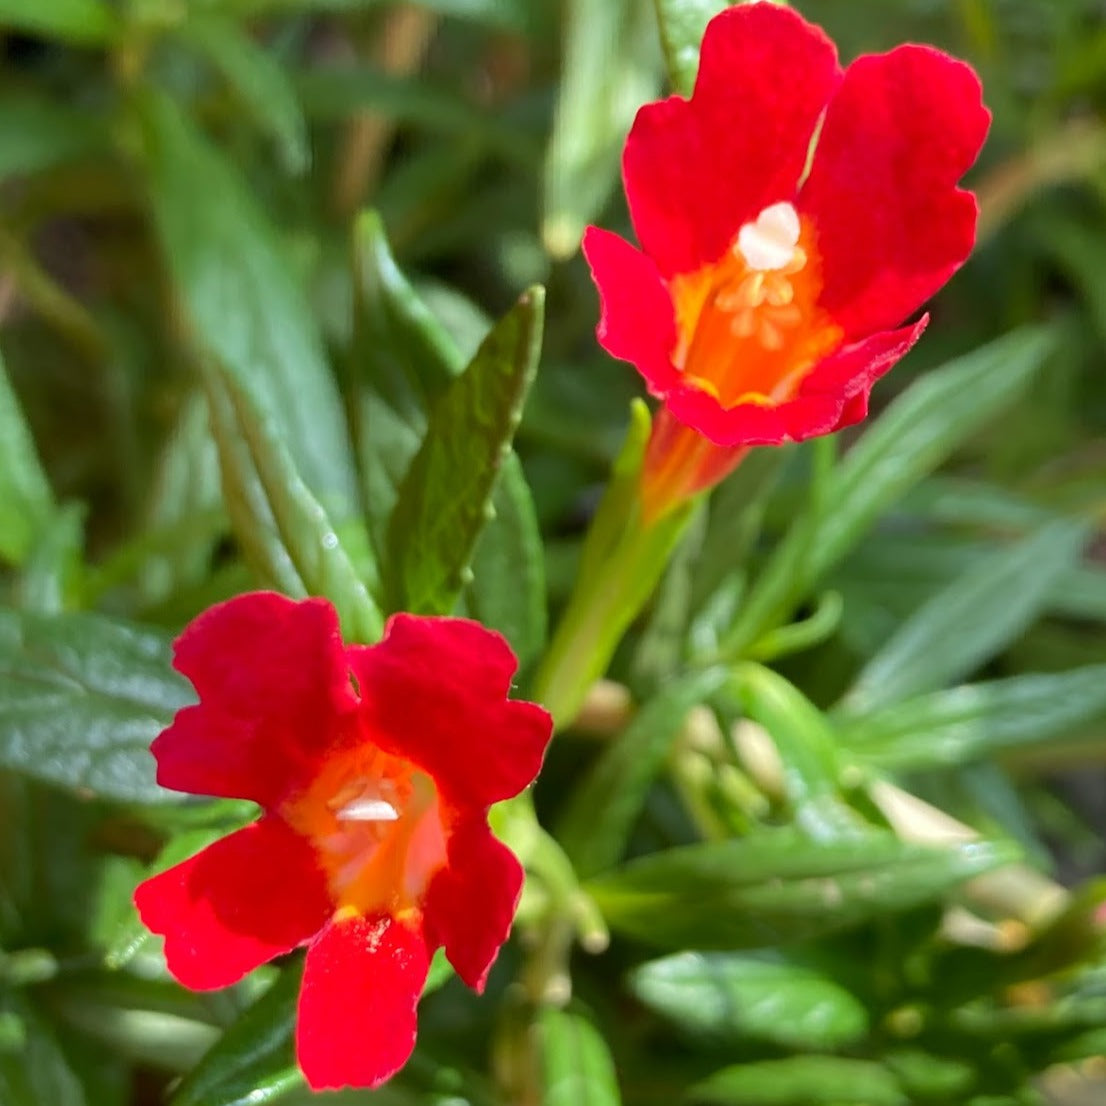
{"x": 696, "y": 170}
{"x": 892, "y": 226}
{"x": 361, "y": 986}
{"x": 272, "y": 678}
{"x": 434, "y": 691}
{"x": 246, "y": 898}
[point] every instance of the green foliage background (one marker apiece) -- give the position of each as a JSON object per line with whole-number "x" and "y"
{"x": 251, "y": 255}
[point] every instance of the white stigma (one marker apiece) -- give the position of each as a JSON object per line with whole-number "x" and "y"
{"x": 368, "y": 810}
{"x": 768, "y": 243}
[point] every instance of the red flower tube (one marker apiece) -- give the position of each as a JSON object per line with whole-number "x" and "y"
{"x": 759, "y": 308}
{"x": 375, "y": 767}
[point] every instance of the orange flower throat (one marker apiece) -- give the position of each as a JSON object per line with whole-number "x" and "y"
{"x": 749, "y": 325}
{"x": 376, "y": 824}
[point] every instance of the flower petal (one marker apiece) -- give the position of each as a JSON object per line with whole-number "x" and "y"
{"x": 892, "y": 225}
{"x": 637, "y": 322}
{"x": 272, "y": 678}
{"x": 253, "y": 895}
{"x": 434, "y": 691}
{"x": 470, "y": 904}
{"x": 833, "y": 395}
{"x": 361, "y": 985}
{"x": 696, "y": 170}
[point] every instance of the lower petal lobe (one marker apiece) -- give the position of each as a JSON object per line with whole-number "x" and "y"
{"x": 471, "y": 903}
{"x": 253, "y": 895}
{"x": 361, "y": 986}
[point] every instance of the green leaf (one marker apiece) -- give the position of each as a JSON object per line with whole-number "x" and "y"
{"x": 26, "y": 502}
{"x": 283, "y": 529}
{"x": 576, "y": 1064}
{"x": 33, "y": 1069}
{"x": 403, "y": 360}
{"x": 37, "y": 133}
{"x": 81, "y": 698}
{"x": 725, "y": 998}
{"x": 802, "y": 1081}
{"x": 780, "y": 886}
{"x": 799, "y": 730}
{"x": 682, "y": 23}
{"x": 254, "y": 1060}
{"x": 244, "y": 301}
{"x": 507, "y": 592}
{"x": 971, "y": 620}
{"x": 976, "y": 720}
{"x": 444, "y": 500}
{"x": 52, "y": 570}
{"x": 86, "y": 22}
{"x": 257, "y": 78}
{"x": 601, "y": 811}
{"x": 918, "y": 431}
{"x": 609, "y": 70}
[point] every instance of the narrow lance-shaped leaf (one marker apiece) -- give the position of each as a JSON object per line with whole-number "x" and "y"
{"x": 283, "y": 529}
{"x": 610, "y": 69}
{"x": 445, "y": 497}
{"x": 576, "y": 1064}
{"x": 81, "y": 698}
{"x": 908, "y": 441}
{"x": 257, "y": 78}
{"x": 254, "y": 1061}
{"x": 403, "y": 360}
{"x": 26, "y": 502}
{"x": 780, "y": 887}
{"x": 681, "y": 24}
{"x": 602, "y": 809}
{"x": 969, "y": 621}
{"x": 976, "y": 720}
{"x": 243, "y": 300}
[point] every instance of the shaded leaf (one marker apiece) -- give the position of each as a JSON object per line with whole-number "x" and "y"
{"x": 81, "y": 698}
{"x": 26, "y": 501}
{"x": 33, "y": 1069}
{"x": 258, "y": 80}
{"x": 37, "y": 133}
{"x": 280, "y": 524}
{"x": 244, "y": 301}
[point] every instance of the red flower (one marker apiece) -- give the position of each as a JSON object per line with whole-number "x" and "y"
{"x": 759, "y": 306}
{"x": 375, "y": 767}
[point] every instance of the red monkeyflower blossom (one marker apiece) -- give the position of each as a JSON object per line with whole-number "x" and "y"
{"x": 375, "y": 767}
{"x": 759, "y": 306}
